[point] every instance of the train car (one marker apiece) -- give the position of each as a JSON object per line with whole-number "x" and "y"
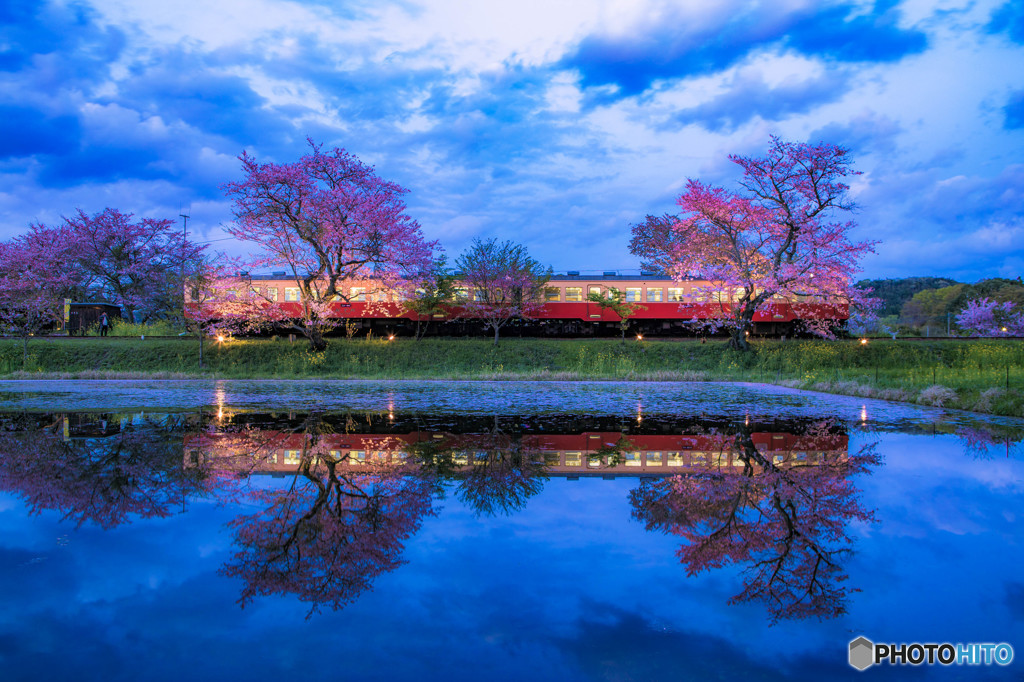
{"x": 667, "y": 307}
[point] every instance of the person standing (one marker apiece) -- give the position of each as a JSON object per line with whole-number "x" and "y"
{"x": 104, "y": 324}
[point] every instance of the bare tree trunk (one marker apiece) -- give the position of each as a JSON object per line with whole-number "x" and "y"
{"x": 496, "y": 328}
{"x": 201, "y": 335}
{"x": 316, "y": 339}
{"x": 738, "y": 340}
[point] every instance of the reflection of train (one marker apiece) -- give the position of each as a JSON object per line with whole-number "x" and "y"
{"x": 593, "y": 453}
{"x": 664, "y": 306}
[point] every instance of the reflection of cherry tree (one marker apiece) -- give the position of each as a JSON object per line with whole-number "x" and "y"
{"x": 331, "y": 532}
{"x": 103, "y": 480}
{"x": 783, "y": 522}
{"x": 494, "y": 472}
{"x": 984, "y": 441}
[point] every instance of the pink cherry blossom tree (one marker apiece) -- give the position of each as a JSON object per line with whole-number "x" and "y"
{"x": 985, "y": 317}
{"x": 779, "y": 236}
{"x": 35, "y": 276}
{"x": 330, "y": 221}
{"x": 135, "y": 264}
{"x": 500, "y": 283}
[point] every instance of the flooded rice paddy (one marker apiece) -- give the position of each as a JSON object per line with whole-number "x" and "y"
{"x": 497, "y": 531}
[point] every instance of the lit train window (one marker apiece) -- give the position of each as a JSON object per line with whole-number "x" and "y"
{"x": 574, "y": 293}
{"x": 654, "y": 459}
{"x": 552, "y": 294}
{"x": 552, "y": 459}
{"x": 358, "y": 294}
{"x": 632, "y": 459}
{"x": 594, "y": 290}
{"x": 573, "y": 459}
{"x": 272, "y": 293}
{"x": 462, "y": 294}
{"x": 675, "y": 459}
{"x": 633, "y": 294}
{"x": 292, "y": 456}
{"x": 291, "y": 293}
{"x": 700, "y": 294}
{"x": 655, "y": 295}
{"x": 676, "y": 295}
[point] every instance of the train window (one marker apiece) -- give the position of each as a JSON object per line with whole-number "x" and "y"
{"x": 654, "y": 459}
{"x": 632, "y": 459}
{"x": 357, "y": 294}
{"x": 292, "y": 456}
{"x": 573, "y": 459}
{"x": 720, "y": 297}
{"x": 592, "y": 290}
{"x": 655, "y": 295}
{"x": 462, "y": 294}
{"x": 574, "y": 293}
{"x": 479, "y": 295}
{"x": 675, "y": 294}
{"x": 633, "y": 294}
{"x": 675, "y": 459}
{"x": 552, "y": 294}
{"x": 291, "y": 293}
{"x": 271, "y": 293}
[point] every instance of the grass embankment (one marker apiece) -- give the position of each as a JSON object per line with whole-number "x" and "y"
{"x": 985, "y": 376}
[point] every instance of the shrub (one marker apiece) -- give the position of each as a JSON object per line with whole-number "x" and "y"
{"x": 937, "y": 396}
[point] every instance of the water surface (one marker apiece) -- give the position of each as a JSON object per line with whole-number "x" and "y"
{"x": 474, "y": 530}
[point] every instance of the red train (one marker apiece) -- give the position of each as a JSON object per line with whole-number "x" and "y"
{"x": 669, "y": 307}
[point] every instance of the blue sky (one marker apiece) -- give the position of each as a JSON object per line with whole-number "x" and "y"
{"x": 556, "y": 123}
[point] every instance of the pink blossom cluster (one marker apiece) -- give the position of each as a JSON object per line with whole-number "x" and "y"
{"x": 985, "y": 317}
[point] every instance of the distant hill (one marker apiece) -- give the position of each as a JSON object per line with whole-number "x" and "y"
{"x": 895, "y": 292}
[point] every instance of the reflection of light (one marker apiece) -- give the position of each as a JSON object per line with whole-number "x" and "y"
{"x": 218, "y": 395}
{"x": 863, "y": 413}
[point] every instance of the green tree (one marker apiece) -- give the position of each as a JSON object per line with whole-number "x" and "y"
{"x": 615, "y": 300}
{"x": 433, "y": 295}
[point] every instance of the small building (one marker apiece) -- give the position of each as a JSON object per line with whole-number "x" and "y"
{"x": 80, "y": 317}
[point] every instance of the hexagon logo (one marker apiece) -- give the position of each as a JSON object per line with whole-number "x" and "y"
{"x": 862, "y": 653}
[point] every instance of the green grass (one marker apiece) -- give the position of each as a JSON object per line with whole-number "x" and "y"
{"x": 974, "y": 372}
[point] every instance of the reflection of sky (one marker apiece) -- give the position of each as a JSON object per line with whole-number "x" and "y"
{"x": 569, "y": 588}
